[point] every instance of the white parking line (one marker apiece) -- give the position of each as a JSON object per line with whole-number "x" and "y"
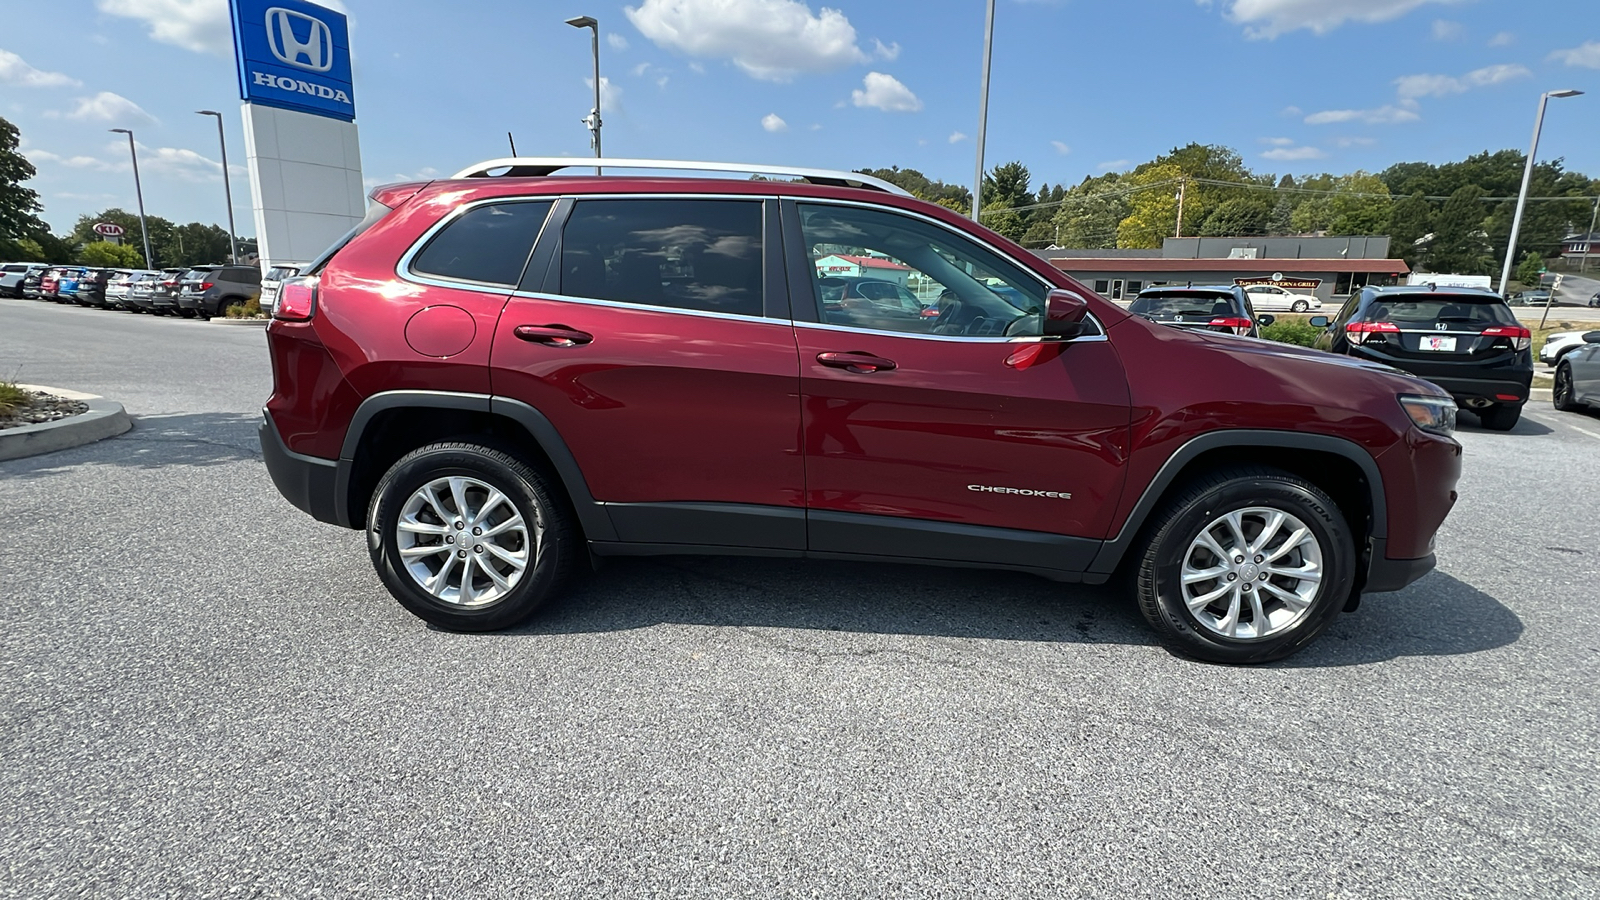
{"x": 1563, "y": 422}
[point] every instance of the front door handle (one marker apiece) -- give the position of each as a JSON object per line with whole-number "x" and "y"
{"x": 553, "y": 335}
{"x": 856, "y": 361}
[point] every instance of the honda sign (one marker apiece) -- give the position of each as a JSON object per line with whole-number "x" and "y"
{"x": 294, "y": 55}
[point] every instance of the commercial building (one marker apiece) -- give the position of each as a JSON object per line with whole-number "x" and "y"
{"x": 1329, "y": 267}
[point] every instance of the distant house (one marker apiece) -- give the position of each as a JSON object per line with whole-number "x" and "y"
{"x": 1574, "y": 246}
{"x": 841, "y": 266}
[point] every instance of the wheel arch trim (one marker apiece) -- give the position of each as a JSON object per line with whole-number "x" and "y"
{"x": 1112, "y": 552}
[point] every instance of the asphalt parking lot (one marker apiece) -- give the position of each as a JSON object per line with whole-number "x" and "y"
{"x": 205, "y": 693}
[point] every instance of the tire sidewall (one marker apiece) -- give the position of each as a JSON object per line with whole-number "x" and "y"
{"x": 1317, "y": 512}
{"x": 525, "y": 493}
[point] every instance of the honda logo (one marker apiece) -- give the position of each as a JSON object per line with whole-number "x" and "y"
{"x": 316, "y": 50}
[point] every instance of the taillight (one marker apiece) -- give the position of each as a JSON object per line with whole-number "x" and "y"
{"x": 1235, "y": 324}
{"x": 1521, "y": 338}
{"x": 206, "y": 285}
{"x": 297, "y": 299}
{"x": 1358, "y": 332}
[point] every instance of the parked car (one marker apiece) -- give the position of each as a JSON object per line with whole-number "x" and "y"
{"x": 67, "y": 284}
{"x": 518, "y": 371}
{"x": 30, "y": 283}
{"x": 1595, "y": 300}
{"x": 1558, "y": 345}
{"x": 49, "y": 281}
{"x": 1540, "y": 297}
{"x": 1464, "y": 340}
{"x": 91, "y": 288}
{"x": 12, "y": 275}
{"x": 141, "y": 289}
{"x": 1222, "y": 308}
{"x": 164, "y": 291}
{"x": 1577, "y": 381}
{"x": 864, "y": 300}
{"x": 274, "y": 277}
{"x": 116, "y": 293}
{"x": 1272, "y": 297}
{"x": 210, "y": 291}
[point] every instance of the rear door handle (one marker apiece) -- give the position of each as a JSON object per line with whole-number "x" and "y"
{"x": 856, "y": 361}
{"x": 552, "y": 335}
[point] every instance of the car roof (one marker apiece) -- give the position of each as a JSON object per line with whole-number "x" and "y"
{"x": 1402, "y": 289}
{"x": 1173, "y": 288}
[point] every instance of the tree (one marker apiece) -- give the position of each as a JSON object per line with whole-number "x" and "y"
{"x": 1239, "y": 217}
{"x": 1460, "y": 245}
{"x": 951, "y": 196}
{"x": 1008, "y": 184}
{"x": 1409, "y": 227}
{"x": 999, "y": 216}
{"x": 1153, "y": 206}
{"x": 1531, "y": 267}
{"x": 18, "y": 204}
{"x": 104, "y": 254}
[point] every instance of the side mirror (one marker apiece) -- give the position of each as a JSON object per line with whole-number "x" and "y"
{"x": 1318, "y": 322}
{"x": 1063, "y": 314}
{"x": 1265, "y": 320}
{"x": 1591, "y": 337}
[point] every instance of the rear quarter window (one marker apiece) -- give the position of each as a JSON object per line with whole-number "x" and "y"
{"x": 487, "y": 244}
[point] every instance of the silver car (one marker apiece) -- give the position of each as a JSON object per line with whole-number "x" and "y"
{"x": 1577, "y": 382}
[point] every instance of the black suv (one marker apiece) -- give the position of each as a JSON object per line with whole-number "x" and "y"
{"x": 1224, "y": 308}
{"x": 210, "y": 291}
{"x": 1465, "y": 340}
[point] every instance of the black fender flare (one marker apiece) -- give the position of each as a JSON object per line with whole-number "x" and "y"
{"x": 1113, "y": 550}
{"x": 596, "y": 521}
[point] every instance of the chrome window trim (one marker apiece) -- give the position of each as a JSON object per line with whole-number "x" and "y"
{"x": 404, "y": 272}
{"x": 646, "y": 307}
{"x": 964, "y": 338}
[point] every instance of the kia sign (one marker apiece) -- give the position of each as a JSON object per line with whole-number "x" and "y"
{"x": 109, "y": 229}
{"x": 294, "y": 55}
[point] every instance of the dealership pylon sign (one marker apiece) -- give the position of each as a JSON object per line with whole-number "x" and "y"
{"x": 299, "y": 123}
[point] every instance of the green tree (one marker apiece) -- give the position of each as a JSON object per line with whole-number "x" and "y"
{"x": 999, "y": 216}
{"x": 1239, "y": 217}
{"x": 1531, "y": 267}
{"x": 1008, "y": 184}
{"x": 1460, "y": 245}
{"x": 18, "y": 204}
{"x": 105, "y": 254}
{"x": 1153, "y": 206}
{"x": 1409, "y": 228}
{"x": 1088, "y": 214}
{"x": 951, "y": 196}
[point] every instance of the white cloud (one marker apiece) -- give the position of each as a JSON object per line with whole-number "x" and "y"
{"x": 1115, "y": 165}
{"x": 773, "y": 40}
{"x": 815, "y": 127}
{"x": 773, "y": 123}
{"x": 640, "y": 69}
{"x": 885, "y": 92}
{"x": 1586, "y": 55}
{"x": 617, "y": 41}
{"x": 1061, "y": 148}
{"x": 890, "y": 52}
{"x": 1282, "y": 154}
{"x": 1291, "y": 111}
{"x": 180, "y": 163}
{"x": 112, "y": 108}
{"x": 697, "y": 68}
{"x": 610, "y": 94}
{"x": 1446, "y": 30}
{"x": 36, "y": 156}
{"x": 957, "y": 137}
{"x": 198, "y": 25}
{"x": 1354, "y": 141}
{"x": 1278, "y": 142}
{"x": 1383, "y": 115}
{"x": 1410, "y": 87}
{"x": 1266, "y": 19}
{"x": 14, "y": 71}
{"x": 1503, "y": 39}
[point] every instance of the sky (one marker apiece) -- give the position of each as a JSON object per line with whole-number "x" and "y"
{"x": 1078, "y": 87}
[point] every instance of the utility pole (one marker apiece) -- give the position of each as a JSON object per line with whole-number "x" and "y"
{"x": 1588, "y": 239}
{"x": 1182, "y": 183}
{"x": 593, "y": 119}
{"x": 983, "y": 109}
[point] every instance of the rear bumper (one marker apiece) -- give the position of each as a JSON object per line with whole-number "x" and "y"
{"x": 307, "y": 482}
{"x": 1496, "y": 389}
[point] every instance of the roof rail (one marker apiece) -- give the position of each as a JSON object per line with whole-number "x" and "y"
{"x": 540, "y": 166}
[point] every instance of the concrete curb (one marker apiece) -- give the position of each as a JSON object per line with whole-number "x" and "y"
{"x": 223, "y": 320}
{"x": 104, "y": 419}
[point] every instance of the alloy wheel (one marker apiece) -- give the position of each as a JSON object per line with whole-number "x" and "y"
{"x": 1251, "y": 573}
{"x": 463, "y": 541}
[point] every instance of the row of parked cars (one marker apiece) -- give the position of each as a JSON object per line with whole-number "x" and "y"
{"x": 199, "y": 291}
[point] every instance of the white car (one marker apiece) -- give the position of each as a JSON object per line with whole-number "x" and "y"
{"x": 1270, "y": 296}
{"x": 1560, "y": 344}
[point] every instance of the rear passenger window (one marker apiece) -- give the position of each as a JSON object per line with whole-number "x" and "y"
{"x": 488, "y": 244}
{"x": 685, "y": 254}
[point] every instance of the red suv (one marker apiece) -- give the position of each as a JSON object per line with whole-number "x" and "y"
{"x": 499, "y": 374}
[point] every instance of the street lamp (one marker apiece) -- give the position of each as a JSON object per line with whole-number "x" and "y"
{"x": 593, "y": 121}
{"x": 1527, "y": 175}
{"x": 983, "y": 108}
{"x": 138, "y": 191}
{"x": 227, "y": 189}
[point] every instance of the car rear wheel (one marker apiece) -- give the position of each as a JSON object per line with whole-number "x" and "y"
{"x": 1500, "y": 417}
{"x": 1299, "y": 306}
{"x": 470, "y": 538}
{"x": 1245, "y": 565}
{"x": 1561, "y": 391}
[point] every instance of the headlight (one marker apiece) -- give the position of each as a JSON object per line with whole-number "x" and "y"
{"x": 1436, "y": 415}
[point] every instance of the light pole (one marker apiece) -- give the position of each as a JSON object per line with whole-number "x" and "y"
{"x": 227, "y": 189}
{"x": 1527, "y": 175}
{"x": 983, "y": 108}
{"x": 593, "y": 121}
{"x": 138, "y": 191}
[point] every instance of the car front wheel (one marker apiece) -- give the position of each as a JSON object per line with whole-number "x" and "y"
{"x": 1561, "y": 392}
{"x": 470, "y": 538}
{"x": 1300, "y": 306}
{"x": 1245, "y": 565}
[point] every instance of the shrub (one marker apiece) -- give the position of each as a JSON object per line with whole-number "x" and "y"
{"x": 13, "y": 398}
{"x": 251, "y": 309}
{"x": 1291, "y": 333}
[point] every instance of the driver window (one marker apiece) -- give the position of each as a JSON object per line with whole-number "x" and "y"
{"x": 889, "y": 272}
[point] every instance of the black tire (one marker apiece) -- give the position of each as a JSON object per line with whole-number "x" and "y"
{"x": 227, "y": 303}
{"x": 186, "y": 313}
{"x": 535, "y": 494}
{"x": 1299, "y": 306}
{"x": 1199, "y": 504}
{"x": 1500, "y": 417}
{"x": 1561, "y": 391}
